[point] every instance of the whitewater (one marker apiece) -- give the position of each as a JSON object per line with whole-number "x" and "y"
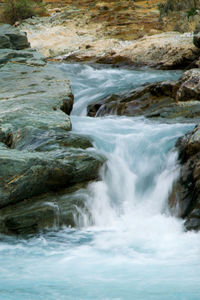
{"x": 128, "y": 245}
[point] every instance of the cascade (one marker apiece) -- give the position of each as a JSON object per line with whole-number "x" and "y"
{"x": 129, "y": 247}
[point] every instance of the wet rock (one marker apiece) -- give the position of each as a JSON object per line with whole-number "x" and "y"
{"x": 26, "y": 174}
{"x": 38, "y": 152}
{"x": 152, "y": 101}
{"x": 133, "y": 103}
{"x": 11, "y": 37}
{"x": 48, "y": 211}
{"x": 185, "y": 197}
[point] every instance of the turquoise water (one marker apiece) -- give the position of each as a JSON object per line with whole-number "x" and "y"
{"x": 131, "y": 247}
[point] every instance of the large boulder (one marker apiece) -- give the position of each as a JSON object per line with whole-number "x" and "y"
{"x": 185, "y": 197}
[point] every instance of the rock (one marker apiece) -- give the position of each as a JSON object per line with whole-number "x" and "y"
{"x": 30, "y": 57}
{"x": 152, "y": 101}
{"x": 170, "y": 50}
{"x": 114, "y": 41}
{"x": 49, "y": 211}
{"x": 189, "y": 86}
{"x": 4, "y": 42}
{"x": 11, "y": 37}
{"x": 185, "y": 197}
{"x": 38, "y": 152}
{"x": 26, "y": 174}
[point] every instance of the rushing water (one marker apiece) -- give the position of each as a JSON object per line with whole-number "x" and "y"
{"x": 132, "y": 248}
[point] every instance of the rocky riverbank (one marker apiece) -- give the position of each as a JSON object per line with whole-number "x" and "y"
{"x": 128, "y": 32}
{"x": 44, "y": 164}
{"x": 39, "y": 153}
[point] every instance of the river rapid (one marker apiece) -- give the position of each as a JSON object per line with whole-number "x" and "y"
{"x": 130, "y": 247}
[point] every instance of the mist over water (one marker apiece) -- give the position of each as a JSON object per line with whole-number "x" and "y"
{"x": 130, "y": 247}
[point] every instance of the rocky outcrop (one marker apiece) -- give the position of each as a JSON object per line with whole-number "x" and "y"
{"x": 12, "y": 38}
{"x": 71, "y": 38}
{"x": 185, "y": 197}
{"x": 168, "y": 99}
{"x": 48, "y": 211}
{"x": 38, "y": 152}
{"x": 150, "y": 100}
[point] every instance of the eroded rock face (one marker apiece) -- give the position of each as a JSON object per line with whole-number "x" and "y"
{"x": 38, "y": 152}
{"x": 185, "y": 197}
{"x": 189, "y": 86}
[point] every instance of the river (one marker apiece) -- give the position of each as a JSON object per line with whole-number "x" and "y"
{"x": 130, "y": 248}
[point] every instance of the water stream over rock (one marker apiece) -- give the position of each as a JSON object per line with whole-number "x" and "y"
{"x": 129, "y": 247}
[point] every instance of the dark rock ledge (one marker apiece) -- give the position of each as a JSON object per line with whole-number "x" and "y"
{"x": 185, "y": 197}
{"x": 39, "y": 157}
{"x": 167, "y": 100}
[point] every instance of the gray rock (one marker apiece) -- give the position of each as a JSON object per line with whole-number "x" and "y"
{"x": 48, "y": 211}
{"x": 38, "y": 153}
{"x": 4, "y": 42}
{"x": 15, "y": 39}
{"x": 156, "y": 100}
{"x": 30, "y": 57}
{"x": 26, "y": 174}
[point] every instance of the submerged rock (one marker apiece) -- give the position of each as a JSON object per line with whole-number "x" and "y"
{"x": 185, "y": 197}
{"x": 38, "y": 152}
